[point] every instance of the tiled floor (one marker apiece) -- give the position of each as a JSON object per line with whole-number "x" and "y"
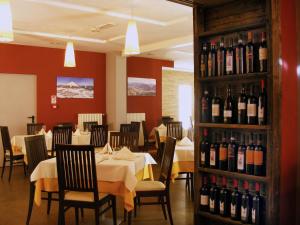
{"x": 14, "y": 205}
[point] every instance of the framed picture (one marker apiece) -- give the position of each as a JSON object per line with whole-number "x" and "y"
{"x": 74, "y": 87}
{"x": 141, "y": 86}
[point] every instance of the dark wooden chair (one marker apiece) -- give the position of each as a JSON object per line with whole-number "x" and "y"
{"x": 65, "y": 124}
{"x": 147, "y": 142}
{"x": 13, "y": 157}
{"x": 115, "y": 140}
{"x": 160, "y": 147}
{"x": 130, "y": 140}
{"x": 36, "y": 151}
{"x": 160, "y": 188}
{"x": 78, "y": 186}
{"x": 135, "y": 127}
{"x": 87, "y": 126}
{"x": 99, "y": 135}
{"x": 174, "y": 129}
{"x": 34, "y": 128}
{"x": 125, "y": 128}
{"x": 61, "y": 135}
{"x": 166, "y": 119}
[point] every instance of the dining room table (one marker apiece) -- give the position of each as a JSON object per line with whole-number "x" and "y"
{"x": 115, "y": 175}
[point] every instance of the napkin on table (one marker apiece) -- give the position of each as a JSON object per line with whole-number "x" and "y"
{"x": 107, "y": 149}
{"x": 124, "y": 154}
{"x": 162, "y": 126}
{"x": 185, "y": 142}
{"x": 49, "y": 134}
{"x": 77, "y": 132}
{"x": 42, "y": 132}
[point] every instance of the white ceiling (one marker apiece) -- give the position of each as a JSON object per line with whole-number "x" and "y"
{"x": 165, "y": 28}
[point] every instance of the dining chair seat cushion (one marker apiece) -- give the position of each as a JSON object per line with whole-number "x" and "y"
{"x": 150, "y": 186}
{"x": 82, "y": 196}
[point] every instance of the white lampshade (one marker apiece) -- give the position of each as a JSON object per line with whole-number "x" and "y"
{"x": 6, "y": 29}
{"x": 70, "y": 55}
{"x": 132, "y": 46}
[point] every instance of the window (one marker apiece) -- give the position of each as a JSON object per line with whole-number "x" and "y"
{"x": 185, "y": 102}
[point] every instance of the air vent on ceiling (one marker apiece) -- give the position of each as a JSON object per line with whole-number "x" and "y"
{"x": 101, "y": 27}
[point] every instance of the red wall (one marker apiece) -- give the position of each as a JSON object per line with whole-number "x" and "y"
{"x": 289, "y": 114}
{"x": 151, "y": 105}
{"x": 47, "y": 64}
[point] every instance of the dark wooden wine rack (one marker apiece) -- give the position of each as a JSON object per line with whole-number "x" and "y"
{"x": 213, "y": 19}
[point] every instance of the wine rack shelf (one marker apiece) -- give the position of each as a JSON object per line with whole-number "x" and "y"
{"x": 234, "y": 126}
{"x": 236, "y": 77}
{"x": 235, "y": 175}
{"x": 217, "y": 218}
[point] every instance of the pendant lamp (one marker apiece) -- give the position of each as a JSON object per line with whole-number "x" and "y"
{"x": 70, "y": 55}
{"x": 132, "y": 46}
{"x": 6, "y": 29}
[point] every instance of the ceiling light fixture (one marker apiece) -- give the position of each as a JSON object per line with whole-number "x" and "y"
{"x": 70, "y": 55}
{"x": 132, "y": 46}
{"x": 6, "y": 30}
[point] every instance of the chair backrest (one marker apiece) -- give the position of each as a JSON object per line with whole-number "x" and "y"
{"x": 125, "y": 128}
{"x": 167, "y": 161}
{"x": 157, "y": 139}
{"x": 99, "y": 134}
{"x": 34, "y": 128}
{"x": 61, "y": 135}
{"x": 6, "y": 140}
{"x": 174, "y": 129}
{"x": 135, "y": 126}
{"x": 115, "y": 139}
{"x": 36, "y": 151}
{"x": 65, "y": 124}
{"x": 130, "y": 140}
{"x": 166, "y": 119}
{"x": 146, "y": 136}
{"x": 87, "y": 126}
{"x": 76, "y": 169}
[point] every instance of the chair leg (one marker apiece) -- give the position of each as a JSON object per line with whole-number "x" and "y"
{"x": 114, "y": 210}
{"x": 49, "y": 202}
{"x": 162, "y": 201}
{"x": 125, "y": 215}
{"x": 24, "y": 167}
{"x": 10, "y": 169}
{"x": 31, "y": 197}
{"x": 169, "y": 208}
{"x": 135, "y": 204}
{"x": 82, "y": 214}
{"x": 129, "y": 217}
{"x": 3, "y": 167}
{"x": 76, "y": 216}
{"x": 61, "y": 215}
{"x": 187, "y": 182}
{"x": 97, "y": 219}
{"x": 192, "y": 186}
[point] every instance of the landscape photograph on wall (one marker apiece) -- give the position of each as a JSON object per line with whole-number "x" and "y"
{"x": 74, "y": 87}
{"x": 141, "y": 86}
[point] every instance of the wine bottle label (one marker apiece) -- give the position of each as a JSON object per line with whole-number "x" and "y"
{"x": 233, "y": 210}
{"x": 263, "y": 54}
{"x": 203, "y": 200}
{"x": 244, "y": 213}
{"x": 209, "y": 64}
{"x": 249, "y": 157}
{"x": 253, "y": 215}
{"x": 222, "y": 207}
{"x": 211, "y": 203}
{"x": 203, "y": 67}
{"x": 251, "y": 110}
{"x": 228, "y": 113}
{"x": 241, "y": 161}
{"x": 204, "y": 104}
{"x": 215, "y": 109}
{"x": 249, "y": 53}
{"x": 241, "y": 106}
{"x": 212, "y": 161}
{"x": 229, "y": 64}
{"x": 203, "y": 157}
{"x": 223, "y": 153}
{"x": 261, "y": 112}
{"x": 258, "y": 158}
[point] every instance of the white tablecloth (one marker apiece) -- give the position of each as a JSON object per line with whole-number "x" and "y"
{"x": 107, "y": 169}
{"x": 184, "y": 153}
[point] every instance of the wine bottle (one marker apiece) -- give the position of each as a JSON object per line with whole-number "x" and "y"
{"x": 232, "y": 155}
{"x": 262, "y": 103}
{"x": 257, "y": 202}
{"x": 216, "y": 108}
{"x": 230, "y": 58}
{"x": 204, "y": 150}
{"x": 203, "y": 60}
{"x": 242, "y": 107}
{"x": 205, "y": 107}
{"x": 224, "y": 199}
{"x": 214, "y": 197}
{"x": 212, "y": 60}
{"x": 221, "y": 58}
{"x": 235, "y": 206}
{"x": 250, "y": 156}
{"x": 223, "y": 160}
{"x": 241, "y": 158}
{"x": 259, "y": 156}
{"x": 246, "y": 205}
{"x": 263, "y": 53}
{"x": 228, "y": 107}
{"x": 252, "y": 107}
{"x": 240, "y": 56}
{"x": 204, "y": 196}
{"x": 214, "y": 153}
{"x": 250, "y": 54}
